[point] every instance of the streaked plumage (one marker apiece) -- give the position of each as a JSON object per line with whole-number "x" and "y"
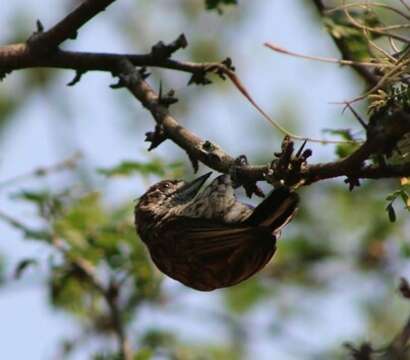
{"x": 210, "y": 240}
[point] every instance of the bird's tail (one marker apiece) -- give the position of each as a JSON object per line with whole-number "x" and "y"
{"x": 276, "y": 210}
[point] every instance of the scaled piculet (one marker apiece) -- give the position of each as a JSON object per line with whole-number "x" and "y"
{"x": 210, "y": 240}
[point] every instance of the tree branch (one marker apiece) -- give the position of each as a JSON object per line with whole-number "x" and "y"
{"x": 67, "y": 28}
{"x": 216, "y": 158}
{"x": 19, "y": 56}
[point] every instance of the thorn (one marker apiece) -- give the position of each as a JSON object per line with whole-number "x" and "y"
{"x": 299, "y": 152}
{"x": 228, "y": 63}
{"x": 120, "y": 84}
{"x": 143, "y": 72}
{"x": 155, "y": 137}
{"x": 77, "y": 77}
{"x": 356, "y": 115}
{"x": 74, "y": 35}
{"x": 168, "y": 99}
{"x": 160, "y": 91}
{"x": 194, "y": 162}
{"x": 199, "y": 78}
{"x": 39, "y": 26}
{"x": 353, "y": 182}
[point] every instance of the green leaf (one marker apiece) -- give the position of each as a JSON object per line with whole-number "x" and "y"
{"x": 217, "y": 4}
{"x": 343, "y": 150}
{"x": 402, "y": 194}
{"x": 350, "y": 36}
{"x": 405, "y": 249}
{"x": 143, "y": 354}
{"x": 391, "y": 213}
{"x": 127, "y": 168}
{"x": 69, "y": 290}
{"x": 345, "y": 134}
{"x": 155, "y": 338}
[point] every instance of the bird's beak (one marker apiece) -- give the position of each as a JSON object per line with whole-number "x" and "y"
{"x": 189, "y": 190}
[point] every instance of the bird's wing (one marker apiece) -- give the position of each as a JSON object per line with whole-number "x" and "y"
{"x": 276, "y": 210}
{"x": 207, "y": 255}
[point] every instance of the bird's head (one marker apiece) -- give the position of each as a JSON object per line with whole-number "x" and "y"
{"x": 168, "y": 194}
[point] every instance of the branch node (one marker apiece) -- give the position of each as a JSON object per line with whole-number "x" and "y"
{"x": 34, "y": 42}
{"x": 352, "y": 181}
{"x": 73, "y": 35}
{"x": 208, "y": 146}
{"x": 155, "y": 137}
{"x": 119, "y": 84}
{"x": 168, "y": 99}
{"x": 227, "y": 66}
{"x": 199, "y": 78}
{"x": 228, "y": 63}
{"x": 162, "y": 51}
{"x": 288, "y": 168}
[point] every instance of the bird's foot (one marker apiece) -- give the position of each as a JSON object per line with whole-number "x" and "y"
{"x": 239, "y": 179}
{"x": 287, "y": 168}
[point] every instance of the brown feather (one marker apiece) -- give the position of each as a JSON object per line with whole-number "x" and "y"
{"x": 207, "y": 255}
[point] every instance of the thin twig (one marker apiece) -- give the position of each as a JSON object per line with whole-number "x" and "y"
{"x": 367, "y": 5}
{"x": 326, "y": 59}
{"x": 358, "y": 25}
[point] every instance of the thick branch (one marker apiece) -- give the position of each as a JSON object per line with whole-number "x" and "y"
{"x": 213, "y": 155}
{"x": 210, "y": 154}
{"x": 20, "y": 56}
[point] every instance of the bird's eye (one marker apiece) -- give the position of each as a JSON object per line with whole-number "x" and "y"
{"x": 165, "y": 186}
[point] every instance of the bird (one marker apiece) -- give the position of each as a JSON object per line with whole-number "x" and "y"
{"x": 210, "y": 240}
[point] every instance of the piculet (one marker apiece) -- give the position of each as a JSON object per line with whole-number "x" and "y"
{"x": 209, "y": 240}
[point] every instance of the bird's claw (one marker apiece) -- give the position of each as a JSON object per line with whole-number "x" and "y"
{"x": 240, "y": 180}
{"x": 287, "y": 168}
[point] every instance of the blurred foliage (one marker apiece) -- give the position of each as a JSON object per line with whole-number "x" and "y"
{"x": 344, "y": 149}
{"x": 154, "y": 167}
{"x": 2, "y": 270}
{"x": 23, "y": 265}
{"x": 218, "y": 4}
{"x": 355, "y": 42}
{"x": 243, "y": 297}
{"x": 401, "y": 194}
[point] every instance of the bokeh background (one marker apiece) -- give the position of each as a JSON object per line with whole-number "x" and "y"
{"x": 334, "y": 277}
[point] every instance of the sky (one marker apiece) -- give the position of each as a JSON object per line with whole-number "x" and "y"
{"x": 42, "y": 129}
